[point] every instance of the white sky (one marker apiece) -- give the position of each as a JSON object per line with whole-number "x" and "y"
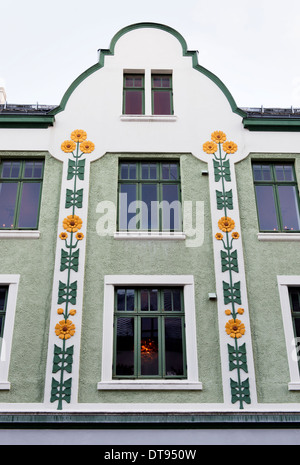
{"x": 251, "y": 45}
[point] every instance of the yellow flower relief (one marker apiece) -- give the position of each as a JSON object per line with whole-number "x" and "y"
{"x": 65, "y": 329}
{"x": 63, "y": 236}
{"x": 235, "y": 235}
{"x": 226, "y": 224}
{"x": 235, "y": 328}
{"x": 68, "y": 146}
{"x": 87, "y": 147}
{"x": 228, "y": 312}
{"x": 79, "y": 236}
{"x": 219, "y": 236}
{"x": 240, "y": 311}
{"x": 210, "y": 147}
{"x": 78, "y": 135}
{"x": 230, "y": 147}
{"x": 72, "y": 223}
{"x": 72, "y": 312}
{"x": 219, "y": 137}
{"x": 60, "y": 311}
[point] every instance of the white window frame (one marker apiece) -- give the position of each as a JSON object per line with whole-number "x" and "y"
{"x": 284, "y": 283}
{"x": 12, "y": 281}
{"x": 187, "y": 282}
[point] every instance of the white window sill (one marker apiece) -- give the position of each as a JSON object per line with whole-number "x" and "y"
{"x": 149, "y": 118}
{"x": 19, "y": 234}
{"x": 145, "y": 385}
{"x": 4, "y": 386}
{"x": 279, "y": 237}
{"x": 141, "y": 235}
{"x": 295, "y": 386}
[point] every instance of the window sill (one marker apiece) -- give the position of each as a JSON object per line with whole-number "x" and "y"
{"x": 149, "y": 118}
{"x": 295, "y": 386}
{"x": 278, "y": 237}
{"x": 141, "y": 235}
{"x": 4, "y": 386}
{"x": 145, "y": 385}
{"x": 19, "y": 234}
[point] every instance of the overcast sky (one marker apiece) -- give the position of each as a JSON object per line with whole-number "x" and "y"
{"x": 251, "y": 45}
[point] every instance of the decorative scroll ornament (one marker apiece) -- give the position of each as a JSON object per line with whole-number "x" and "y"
{"x": 220, "y": 148}
{"x": 65, "y": 329}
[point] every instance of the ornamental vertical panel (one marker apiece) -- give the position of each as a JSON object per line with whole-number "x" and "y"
{"x": 66, "y": 315}
{"x": 234, "y": 323}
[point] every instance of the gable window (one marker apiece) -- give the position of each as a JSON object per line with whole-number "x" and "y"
{"x": 277, "y": 197}
{"x": 134, "y": 94}
{"x": 149, "y": 196}
{"x": 20, "y": 193}
{"x": 149, "y": 337}
{"x": 162, "y": 94}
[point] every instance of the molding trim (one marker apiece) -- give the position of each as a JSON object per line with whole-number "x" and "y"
{"x": 19, "y": 234}
{"x": 278, "y": 237}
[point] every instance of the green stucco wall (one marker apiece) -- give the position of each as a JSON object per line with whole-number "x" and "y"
{"x": 264, "y": 261}
{"x": 33, "y": 260}
{"x": 108, "y": 256}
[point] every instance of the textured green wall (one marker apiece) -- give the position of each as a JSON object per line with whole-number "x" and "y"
{"x": 264, "y": 261}
{"x": 108, "y": 256}
{"x": 34, "y": 261}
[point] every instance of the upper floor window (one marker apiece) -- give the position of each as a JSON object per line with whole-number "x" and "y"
{"x": 162, "y": 94}
{"x": 149, "y": 196}
{"x": 20, "y": 193}
{"x": 134, "y": 94}
{"x": 277, "y": 196}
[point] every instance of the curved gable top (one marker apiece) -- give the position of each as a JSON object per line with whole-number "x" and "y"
{"x": 111, "y": 51}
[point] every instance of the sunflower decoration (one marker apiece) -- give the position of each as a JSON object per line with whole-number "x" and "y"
{"x": 87, "y": 147}
{"x": 218, "y": 137}
{"x": 226, "y": 224}
{"x": 235, "y": 235}
{"x": 219, "y": 236}
{"x": 68, "y": 146}
{"x": 235, "y": 328}
{"x": 230, "y": 147}
{"x": 65, "y": 329}
{"x": 72, "y": 223}
{"x": 79, "y": 236}
{"x": 210, "y": 147}
{"x": 78, "y": 135}
{"x": 63, "y": 236}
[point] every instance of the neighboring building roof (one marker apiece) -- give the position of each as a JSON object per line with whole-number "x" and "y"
{"x": 29, "y": 116}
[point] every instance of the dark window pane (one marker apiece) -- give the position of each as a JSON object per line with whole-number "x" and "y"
{"x": 177, "y": 300}
{"x": 149, "y": 347}
{"x": 173, "y": 171}
{"x": 8, "y": 195}
{"x": 3, "y": 292}
{"x": 289, "y": 173}
{"x": 126, "y": 213}
{"x": 156, "y": 82}
{"x": 130, "y": 300}
{"x": 289, "y": 208}
{"x": 144, "y": 300}
{"x": 28, "y": 172}
{"x": 2, "y": 320}
{"x": 133, "y": 102}
{"x": 162, "y": 103}
{"x": 166, "y": 81}
{"x": 171, "y": 207}
{"x": 279, "y": 173}
{"x": 121, "y": 300}
{"x": 154, "y": 300}
{"x": 15, "y": 169}
{"x": 167, "y": 300}
{"x": 266, "y": 208}
{"x": 266, "y": 173}
{"x": 295, "y": 299}
{"x": 6, "y": 168}
{"x": 125, "y": 347}
{"x": 149, "y": 207}
{"x": 38, "y": 170}
{"x": 297, "y": 326}
{"x": 132, "y": 171}
{"x": 129, "y": 81}
{"x": 29, "y": 205}
{"x": 257, "y": 173}
{"x": 173, "y": 346}
{"x": 149, "y": 171}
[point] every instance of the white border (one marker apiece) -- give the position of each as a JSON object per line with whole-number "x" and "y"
{"x": 284, "y": 282}
{"x": 149, "y": 235}
{"x": 20, "y": 234}
{"x": 13, "y": 282}
{"x": 187, "y": 281}
{"x": 278, "y": 237}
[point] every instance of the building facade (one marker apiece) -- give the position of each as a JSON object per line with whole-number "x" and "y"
{"x": 149, "y": 237}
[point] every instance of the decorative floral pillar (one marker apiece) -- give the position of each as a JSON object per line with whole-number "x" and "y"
{"x": 66, "y": 315}
{"x": 234, "y": 324}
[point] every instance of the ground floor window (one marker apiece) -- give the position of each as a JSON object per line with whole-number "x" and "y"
{"x": 149, "y": 333}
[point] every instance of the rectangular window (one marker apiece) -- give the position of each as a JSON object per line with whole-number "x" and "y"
{"x": 3, "y": 304}
{"x": 277, "y": 196}
{"x": 162, "y": 94}
{"x": 20, "y": 193}
{"x": 134, "y": 94}
{"x": 149, "y": 333}
{"x": 149, "y": 196}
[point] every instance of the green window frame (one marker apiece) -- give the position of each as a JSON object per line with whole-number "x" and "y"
{"x": 162, "y": 94}
{"x": 277, "y": 196}
{"x": 149, "y": 333}
{"x": 3, "y": 305}
{"x": 20, "y": 193}
{"x": 133, "y": 94}
{"x": 149, "y": 196}
{"x": 294, "y": 295}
